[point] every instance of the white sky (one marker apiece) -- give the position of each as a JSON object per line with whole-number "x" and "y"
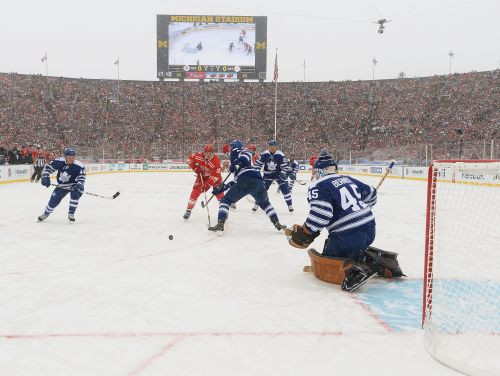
{"x": 336, "y": 38}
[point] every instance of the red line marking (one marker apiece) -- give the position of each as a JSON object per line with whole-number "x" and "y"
{"x": 200, "y": 334}
{"x": 372, "y": 314}
{"x": 146, "y": 363}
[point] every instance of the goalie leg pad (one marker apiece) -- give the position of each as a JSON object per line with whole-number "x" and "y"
{"x": 329, "y": 269}
{"x": 385, "y": 261}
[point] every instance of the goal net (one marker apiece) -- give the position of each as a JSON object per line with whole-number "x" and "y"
{"x": 461, "y": 297}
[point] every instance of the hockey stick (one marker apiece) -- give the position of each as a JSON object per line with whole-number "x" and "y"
{"x": 203, "y": 204}
{"x": 385, "y": 175}
{"x": 90, "y": 193}
{"x": 205, "y": 194}
{"x": 301, "y": 182}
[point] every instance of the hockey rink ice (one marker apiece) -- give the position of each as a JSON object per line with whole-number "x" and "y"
{"x": 111, "y": 295}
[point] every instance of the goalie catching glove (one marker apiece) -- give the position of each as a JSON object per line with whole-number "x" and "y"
{"x": 299, "y": 236}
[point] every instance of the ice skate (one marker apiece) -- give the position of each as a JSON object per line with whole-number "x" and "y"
{"x": 278, "y": 225}
{"x": 218, "y": 227}
{"x": 187, "y": 214}
{"x": 255, "y": 207}
{"x": 71, "y": 217}
{"x": 290, "y": 208}
{"x": 43, "y": 216}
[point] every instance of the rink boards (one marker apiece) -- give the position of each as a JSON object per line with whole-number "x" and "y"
{"x": 22, "y": 173}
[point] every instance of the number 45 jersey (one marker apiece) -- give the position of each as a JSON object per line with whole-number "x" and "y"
{"x": 339, "y": 203}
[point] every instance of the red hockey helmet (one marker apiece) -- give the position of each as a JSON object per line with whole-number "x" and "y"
{"x": 208, "y": 148}
{"x": 252, "y": 147}
{"x": 226, "y": 148}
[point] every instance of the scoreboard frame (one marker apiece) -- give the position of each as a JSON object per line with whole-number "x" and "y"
{"x": 223, "y": 71}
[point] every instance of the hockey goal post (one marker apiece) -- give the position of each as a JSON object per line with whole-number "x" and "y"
{"x": 461, "y": 289}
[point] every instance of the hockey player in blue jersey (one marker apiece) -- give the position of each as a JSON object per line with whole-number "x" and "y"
{"x": 247, "y": 181}
{"x": 293, "y": 168}
{"x": 275, "y": 167}
{"x": 342, "y": 205}
{"x": 70, "y": 179}
{"x": 291, "y": 173}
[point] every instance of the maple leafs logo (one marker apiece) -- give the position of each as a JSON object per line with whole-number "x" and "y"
{"x": 64, "y": 177}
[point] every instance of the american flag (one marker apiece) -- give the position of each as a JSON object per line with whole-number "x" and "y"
{"x": 117, "y": 62}
{"x": 44, "y": 57}
{"x": 374, "y": 61}
{"x": 276, "y": 68}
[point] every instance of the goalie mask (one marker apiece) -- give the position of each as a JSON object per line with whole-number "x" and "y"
{"x": 325, "y": 164}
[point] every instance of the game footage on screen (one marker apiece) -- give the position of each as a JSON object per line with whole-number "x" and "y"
{"x": 202, "y": 43}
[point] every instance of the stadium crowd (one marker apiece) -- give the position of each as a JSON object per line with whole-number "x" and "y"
{"x": 376, "y": 119}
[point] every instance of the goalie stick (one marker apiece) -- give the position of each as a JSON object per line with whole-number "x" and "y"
{"x": 90, "y": 193}
{"x": 385, "y": 175}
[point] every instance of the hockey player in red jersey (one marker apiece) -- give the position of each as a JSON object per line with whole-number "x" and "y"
{"x": 255, "y": 155}
{"x": 225, "y": 163}
{"x": 208, "y": 169}
{"x": 312, "y": 161}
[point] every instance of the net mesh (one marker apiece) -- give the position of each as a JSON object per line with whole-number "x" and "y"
{"x": 462, "y": 300}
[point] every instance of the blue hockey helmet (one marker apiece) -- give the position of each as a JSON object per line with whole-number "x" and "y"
{"x": 273, "y": 143}
{"x": 236, "y": 144}
{"x": 69, "y": 152}
{"x": 325, "y": 160}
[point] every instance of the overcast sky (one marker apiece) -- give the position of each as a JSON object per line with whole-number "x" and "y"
{"x": 336, "y": 38}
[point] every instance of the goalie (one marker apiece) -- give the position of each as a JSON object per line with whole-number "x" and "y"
{"x": 342, "y": 205}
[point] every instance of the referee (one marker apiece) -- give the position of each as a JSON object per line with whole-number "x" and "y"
{"x": 38, "y": 166}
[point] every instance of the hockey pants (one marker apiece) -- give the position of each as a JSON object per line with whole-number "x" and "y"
{"x": 198, "y": 189}
{"x": 58, "y": 194}
{"x": 247, "y": 186}
{"x": 350, "y": 244}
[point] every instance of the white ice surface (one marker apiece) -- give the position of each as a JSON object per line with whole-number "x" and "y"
{"x": 112, "y": 295}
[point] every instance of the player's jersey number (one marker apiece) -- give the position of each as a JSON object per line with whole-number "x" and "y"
{"x": 348, "y": 201}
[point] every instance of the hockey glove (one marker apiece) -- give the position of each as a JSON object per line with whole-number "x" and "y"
{"x": 218, "y": 190}
{"x": 78, "y": 187}
{"x": 299, "y": 236}
{"x": 282, "y": 176}
{"x": 46, "y": 181}
{"x": 197, "y": 170}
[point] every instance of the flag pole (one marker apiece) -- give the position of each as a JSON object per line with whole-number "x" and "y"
{"x": 118, "y": 89}
{"x": 275, "y": 93}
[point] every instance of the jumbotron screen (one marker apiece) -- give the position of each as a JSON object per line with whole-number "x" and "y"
{"x": 211, "y": 47}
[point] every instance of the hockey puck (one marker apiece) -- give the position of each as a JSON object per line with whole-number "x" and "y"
{"x": 170, "y": 237}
